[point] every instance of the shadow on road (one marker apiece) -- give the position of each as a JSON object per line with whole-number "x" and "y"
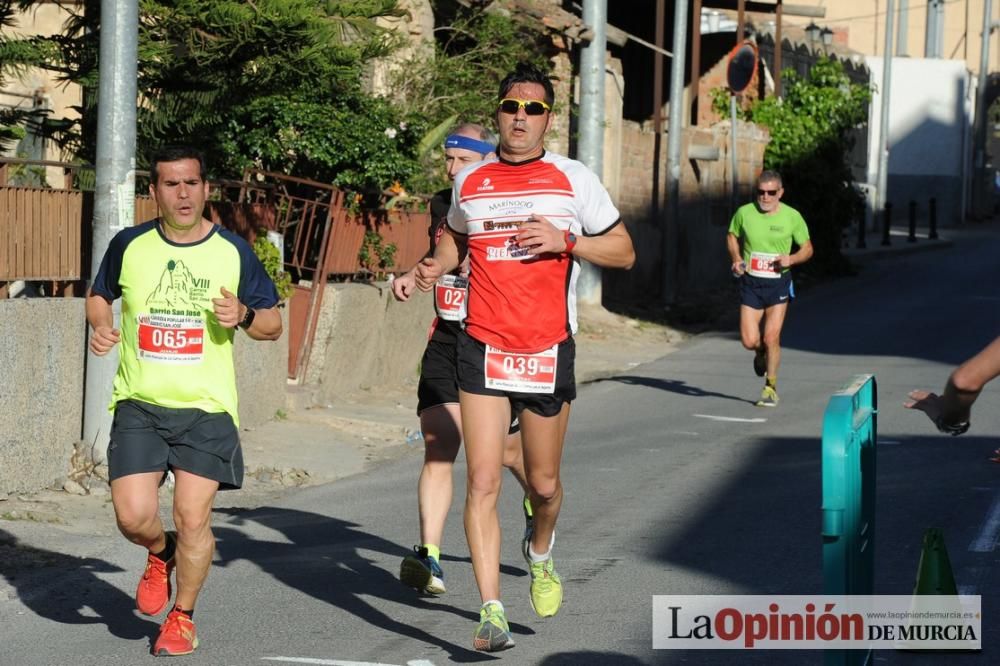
{"x": 671, "y": 386}
{"x": 77, "y": 595}
{"x": 323, "y": 559}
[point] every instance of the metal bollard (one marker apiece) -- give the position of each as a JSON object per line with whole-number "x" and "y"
{"x": 932, "y": 211}
{"x": 912, "y": 238}
{"x": 886, "y": 223}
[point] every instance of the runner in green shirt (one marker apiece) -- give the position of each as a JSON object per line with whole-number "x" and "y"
{"x": 760, "y": 241}
{"x": 186, "y": 285}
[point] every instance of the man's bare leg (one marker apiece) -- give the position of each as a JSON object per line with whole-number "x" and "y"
{"x": 193, "y": 498}
{"x": 485, "y": 421}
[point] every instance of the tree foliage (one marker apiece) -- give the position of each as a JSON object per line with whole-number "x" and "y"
{"x": 17, "y": 54}
{"x": 811, "y": 138}
{"x": 222, "y": 74}
{"x": 474, "y": 49}
{"x": 358, "y": 142}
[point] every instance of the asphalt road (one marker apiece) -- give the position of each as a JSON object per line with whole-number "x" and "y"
{"x": 675, "y": 485}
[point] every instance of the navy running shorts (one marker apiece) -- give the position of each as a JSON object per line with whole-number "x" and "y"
{"x": 759, "y": 293}
{"x": 150, "y": 438}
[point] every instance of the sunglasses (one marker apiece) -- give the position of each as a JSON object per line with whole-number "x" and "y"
{"x": 532, "y": 107}
{"x": 769, "y": 193}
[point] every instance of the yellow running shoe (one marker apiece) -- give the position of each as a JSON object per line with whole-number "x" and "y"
{"x": 546, "y": 588}
{"x": 493, "y": 633}
{"x": 768, "y": 397}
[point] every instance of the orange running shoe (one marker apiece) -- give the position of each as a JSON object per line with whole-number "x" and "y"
{"x": 177, "y": 636}
{"x": 153, "y": 593}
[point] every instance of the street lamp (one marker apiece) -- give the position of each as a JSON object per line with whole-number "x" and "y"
{"x": 812, "y": 32}
{"x": 827, "y": 35}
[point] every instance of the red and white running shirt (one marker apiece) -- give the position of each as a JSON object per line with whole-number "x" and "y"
{"x": 519, "y": 302}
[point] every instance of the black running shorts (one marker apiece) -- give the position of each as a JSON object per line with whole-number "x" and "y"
{"x": 759, "y": 293}
{"x": 471, "y": 378}
{"x": 439, "y": 378}
{"x": 150, "y": 438}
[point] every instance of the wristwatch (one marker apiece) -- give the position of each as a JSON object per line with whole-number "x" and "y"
{"x": 248, "y": 318}
{"x": 570, "y": 239}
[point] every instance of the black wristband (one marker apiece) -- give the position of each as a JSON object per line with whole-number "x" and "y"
{"x": 248, "y": 319}
{"x": 953, "y": 429}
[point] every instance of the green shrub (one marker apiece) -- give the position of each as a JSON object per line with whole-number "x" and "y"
{"x": 271, "y": 258}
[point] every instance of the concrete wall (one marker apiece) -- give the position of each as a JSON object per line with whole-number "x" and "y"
{"x": 42, "y": 380}
{"x": 261, "y": 376}
{"x": 365, "y": 339}
{"x": 41, "y": 389}
{"x": 930, "y": 121}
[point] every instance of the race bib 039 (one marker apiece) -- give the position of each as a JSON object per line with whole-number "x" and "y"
{"x": 522, "y": 373}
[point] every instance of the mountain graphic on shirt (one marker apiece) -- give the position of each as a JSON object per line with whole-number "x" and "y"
{"x": 174, "y": 289}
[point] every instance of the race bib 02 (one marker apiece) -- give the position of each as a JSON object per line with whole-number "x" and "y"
{"x": 449, "y": 297}
{"x": 167, "y": 338}
{"x": 522, "y": 373}
{"x": 764, "y": 265}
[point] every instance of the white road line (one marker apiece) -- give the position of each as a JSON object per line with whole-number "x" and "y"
{"x": 733, "y": 419}
{"x": 889, "y": 441}
{"x": 419, "y": 662}
{"x": 325, "y": 662}
{"x": 986, "y": 540}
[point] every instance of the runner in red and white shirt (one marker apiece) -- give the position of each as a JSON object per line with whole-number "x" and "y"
{"x": 525, "y": 220}
{"x": 437, "y": 392}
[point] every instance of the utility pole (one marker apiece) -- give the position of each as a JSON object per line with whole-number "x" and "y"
{"x": 979, "y": 167}
{"x": 114, "y": 198}
{"x": 590, "y": 148}
{"x": 671, "y": 227}
{"x": 904, "y": 27}
{"x": 883, "y": 127}
{"x": 934, "y": 35}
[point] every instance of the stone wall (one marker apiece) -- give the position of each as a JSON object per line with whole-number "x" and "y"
{"x": 42, "y": 387}
{"x": 705, "y": 202}
{"x": 365, "y": 339}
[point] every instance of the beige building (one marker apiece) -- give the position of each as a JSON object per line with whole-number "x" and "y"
{"x": 863, "y": 23}
{"x": 36, "y": 88}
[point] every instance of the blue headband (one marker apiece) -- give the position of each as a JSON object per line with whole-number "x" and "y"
{"x": 467, "y": 143}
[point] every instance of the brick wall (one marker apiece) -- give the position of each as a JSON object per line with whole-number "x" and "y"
{"x": 705, "y": 208}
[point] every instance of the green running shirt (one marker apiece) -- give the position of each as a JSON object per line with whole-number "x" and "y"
{"x": 173, "y": 351}
{"x": 768, "y": 234}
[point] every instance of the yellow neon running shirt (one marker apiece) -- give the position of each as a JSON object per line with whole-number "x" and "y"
{"x": 173, "y": 351}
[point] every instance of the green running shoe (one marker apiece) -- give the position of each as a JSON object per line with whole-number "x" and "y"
{"x": 768, "y": 397}
{"x": 546, "y": 588}
{"x": 493, "y": 632}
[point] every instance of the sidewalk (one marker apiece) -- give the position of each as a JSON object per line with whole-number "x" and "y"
{"x": 900, "y": 244}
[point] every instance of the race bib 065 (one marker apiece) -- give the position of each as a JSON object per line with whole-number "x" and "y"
{"x": 166, "y": 338}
